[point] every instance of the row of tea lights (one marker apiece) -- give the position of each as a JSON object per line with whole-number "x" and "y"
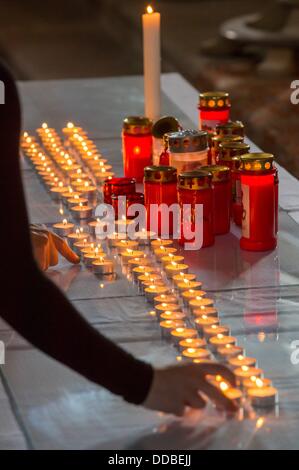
{"x": 179, "y": 302}
{"x": 77, "y": 175}
{"x": 66, "y": 180}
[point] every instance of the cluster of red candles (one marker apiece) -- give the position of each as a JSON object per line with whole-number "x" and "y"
{"x": 211, "y": 166}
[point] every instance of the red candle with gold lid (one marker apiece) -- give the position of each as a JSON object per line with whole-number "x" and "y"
{"x": 229, "y": 155}
{"x": 119, "y": 187}
{"x": 137, "y": 146}
{"x": 195, "y": 187}
{"x": 221, "y": 186}
{"x": 215, "y": 142}
{"x": 214, "y": 108}
{"x": 258, "y": 201}
{"x": 160, "y": 187}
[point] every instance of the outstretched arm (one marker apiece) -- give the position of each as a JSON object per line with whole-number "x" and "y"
{"x": 31, "y": 303}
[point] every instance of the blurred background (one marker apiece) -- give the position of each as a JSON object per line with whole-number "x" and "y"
{"x": 247, "y": 47}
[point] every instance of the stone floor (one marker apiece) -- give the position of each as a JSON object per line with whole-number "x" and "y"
{"x": 100, "y": 38}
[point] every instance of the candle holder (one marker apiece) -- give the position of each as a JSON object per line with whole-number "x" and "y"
{"x": 241, "y": 360}
{"x": 168, "y": 325}
{"x": 221, "y": 339}
{"x": 177, "y": 334}
{"x": 102, "y": 266}
{"x": 64, "y": 228}
{"x": 192, "y": 343}
{"x": 81, "y": 212}
{"x": 214, "y": 109}
{"x": 195, "y": 353}
{"x": 188, "y": 149}
{"x": 137, "y": 146}
{"x": 118, "y": 187}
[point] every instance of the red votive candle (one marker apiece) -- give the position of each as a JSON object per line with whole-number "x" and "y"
{"x": 258, "y": 201}
{"x": 221, "y": 186}
{"x": 214, "y": 109}
{"x": 195, "y": 187}
{"x": 135, "y": 198}
{"x": 215, "y": 142}
{"x": 118, "y": 187}
{"x": 229, "y": 155}
{"x": 160, "y": 187}
{"x": 137, "y": 146}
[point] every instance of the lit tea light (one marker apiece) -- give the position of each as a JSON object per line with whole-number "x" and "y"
{"x": 230, "y": 392}
{"x": 262, "y": 396}
{"x": 81, "y": 245}
{"x": 159, "y": 242}
{"x": 214, "y": 330}
{"x": 147, "y": 279}
{"x": 203, "y": 310}
{"x": 175, "y": 268}
{"x": 104, "y": 175}
{"x": 57, "y": 190}
{"x": 123, "y": 245}
{"x": 129, "y": 254}
{"x": 199, "y": 301}
{"x": 189, "y": 294}
{"x": 76, "y": 200}
{"x": 63, "y": 228}
{"x": 251, "y": 382}
{"x": 196, "y": 353}
{"x": 165, "y": 298}
{"x": 180, "y": 333}
{"x": 152, "y": 291}
{"x": 245, "y": 372}
{"x": 122, "y": 224}
{"x": 178, "y": 278}
{"x": 114, "y": 237}
{"x": 166, "y": 307}
{"x": 167, "y": 315}
{"x": 204, "y": 320}
{"x": 91, "y": 256}
{"x": 102, "y": 266}
{"x": 164, "y": 251}
{"x": 221, "y": 339}
{"x": 192, "y": 343}
{"x": 186, "y": 284}
{"x": 91, "y": 247}
{"x": 141, "y": 269}
{"x": 241, "y": 360}
{"x": 144, "y": 236}
{"x": 170, "y": 258}
{"x": 81, "y": 211}
{"x": 168, "y": 325}
{"x": 88, "y": 190}
{"x": 96, "y": 224}
{"x": 77, "y": 235}
{"x": 228, "y": 351}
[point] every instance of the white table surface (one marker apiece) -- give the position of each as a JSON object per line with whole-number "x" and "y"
{"x": 46, "y": 406}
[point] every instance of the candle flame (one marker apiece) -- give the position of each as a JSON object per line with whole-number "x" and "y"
{"x": 149, "y": 9}
{"x": 64, "y": 221}
{"x": 259, "y": 383}
{"x": 223, "y": 386}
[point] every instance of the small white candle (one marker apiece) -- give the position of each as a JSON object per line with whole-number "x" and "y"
{"x": 151, "y": 63}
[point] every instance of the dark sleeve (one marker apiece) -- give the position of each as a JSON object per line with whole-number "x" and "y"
{"x": 31, "y": 303}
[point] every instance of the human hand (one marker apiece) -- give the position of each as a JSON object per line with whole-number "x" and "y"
{"x": 177, "y": 387}
{"x": 47, "y": 245}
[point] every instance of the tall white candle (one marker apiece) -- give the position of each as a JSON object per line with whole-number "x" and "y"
{"x": 151, "y": 63}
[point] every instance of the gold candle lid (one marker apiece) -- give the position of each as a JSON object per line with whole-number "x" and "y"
{"x": 216, "y": 140}
{"x": 214, "y": 100}
{"x": 219, "y": 172}
{"x": 137, "y": 125}
{"x": 230, "y": 128}
{"x": 196, "y": 179}
{"x": 257, "y": 161}
{"x": 230, "y": 149}
{"x": 160, "y": 174}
